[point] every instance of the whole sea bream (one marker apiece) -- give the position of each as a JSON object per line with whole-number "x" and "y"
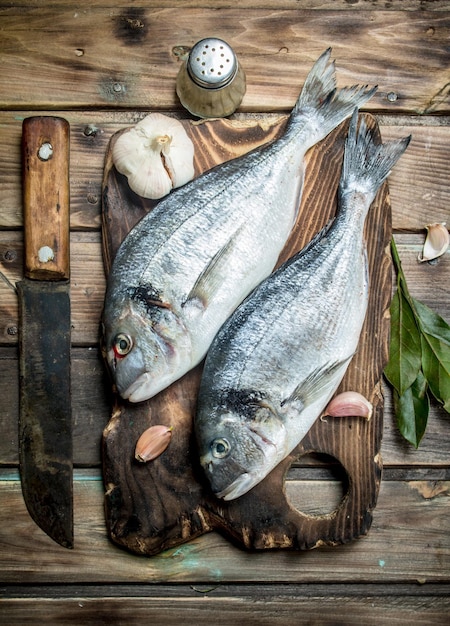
{"x": 276, "y": 362}
{"x": 183, "y": 269}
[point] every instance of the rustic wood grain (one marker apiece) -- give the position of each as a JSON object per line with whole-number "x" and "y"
{"x": 204, "y": 608}
{"x": 417, "y": 185}
{"x": 408, "y": 542}
{"x": 318, "y": 5}
{"x": 91, "y": 412}
{"x": 427, "y": 282}
{"x": 114, "y": 59}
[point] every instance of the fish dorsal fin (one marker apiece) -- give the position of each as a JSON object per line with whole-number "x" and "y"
{"x": 210, "y": 279}
{"x": 318, "y": 383}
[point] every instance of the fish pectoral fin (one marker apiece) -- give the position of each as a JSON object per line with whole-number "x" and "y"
{"x": 210, "y": 279}
{"x": 317, "y": 384}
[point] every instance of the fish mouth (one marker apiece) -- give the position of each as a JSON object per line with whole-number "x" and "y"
{"x": 238, "y": 487}
{"x": 138, "y": 390}
{"x": 147, "y": 386}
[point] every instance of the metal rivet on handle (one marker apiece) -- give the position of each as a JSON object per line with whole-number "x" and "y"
{"x": 45, "y": 151}
{"x": 45, "y": 254}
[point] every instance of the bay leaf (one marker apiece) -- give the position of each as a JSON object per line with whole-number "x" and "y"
{"x": 405, "y": 350}
{"x": 412, "y": 409}
{"x": 431, "y": 322}
{"x": 436, "y": 367}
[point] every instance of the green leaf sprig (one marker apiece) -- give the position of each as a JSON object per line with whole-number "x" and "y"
{"x": 419, "y": 359}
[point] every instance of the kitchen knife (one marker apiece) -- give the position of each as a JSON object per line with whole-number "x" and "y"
{"x": 45, "y": 421}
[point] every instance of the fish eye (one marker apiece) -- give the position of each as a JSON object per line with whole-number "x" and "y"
{"x": 122, "y": 344}
{"x": 220, "y": 448}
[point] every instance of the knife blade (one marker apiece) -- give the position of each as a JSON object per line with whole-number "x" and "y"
{"x": 45, "y": 420}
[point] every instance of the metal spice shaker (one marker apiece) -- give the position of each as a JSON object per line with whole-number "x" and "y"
{"x": 211, "y": 82}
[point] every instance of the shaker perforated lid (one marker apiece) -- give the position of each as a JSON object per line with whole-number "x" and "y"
{"x": 212, "y": 64}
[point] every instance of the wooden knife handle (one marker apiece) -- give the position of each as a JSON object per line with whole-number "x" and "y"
{"x": 46, "y": 197}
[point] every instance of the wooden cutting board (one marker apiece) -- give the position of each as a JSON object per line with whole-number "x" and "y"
{"x": 166, "y": 502}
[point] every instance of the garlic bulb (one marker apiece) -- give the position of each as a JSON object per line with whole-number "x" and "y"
{"x": 436, "y": 242}
{"x": 156, "y": 155}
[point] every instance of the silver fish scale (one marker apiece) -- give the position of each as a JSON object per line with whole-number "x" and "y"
{"x": 303, "y": 326}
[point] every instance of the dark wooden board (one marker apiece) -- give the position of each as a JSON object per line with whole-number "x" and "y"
{"x": 161, "y": 504}
{"x": 262, "y": 608}
{"x": 122, "y": 64}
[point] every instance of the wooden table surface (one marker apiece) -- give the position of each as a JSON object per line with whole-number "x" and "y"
{"x": 103, "y": 65}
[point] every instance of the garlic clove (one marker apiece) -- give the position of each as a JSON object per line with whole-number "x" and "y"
{"x": 156, "y": 155}
{"x": 152, "y": 443}
{"x": 349, "y": 403}
{"x": 436, "y": 242}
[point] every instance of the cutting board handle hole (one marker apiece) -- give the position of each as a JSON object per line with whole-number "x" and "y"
{"x": 316, "y": 484}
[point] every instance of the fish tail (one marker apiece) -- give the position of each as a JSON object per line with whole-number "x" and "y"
{"x": 366, "y": 163}
{"x": 322, "y": 103}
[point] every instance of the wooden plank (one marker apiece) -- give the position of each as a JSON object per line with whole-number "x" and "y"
{"x": 418, "y": 184}
{"x": 428, "y": 283}
{"x": 408, "y": 542}
{"x": 116, "y": 66}
{"x": 92, "y": 410}
{"x": 419, "y": 189}
{"x": 204, "y": 609}
{"x": 396, "y": 451}
{"x": 318, "y": 5}
{"x": 238, "y": 589}
{"x": 227, "y": 603}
